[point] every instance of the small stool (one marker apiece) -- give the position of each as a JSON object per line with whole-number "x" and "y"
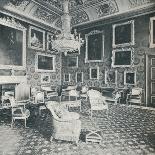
{"x": 41, "y": 108}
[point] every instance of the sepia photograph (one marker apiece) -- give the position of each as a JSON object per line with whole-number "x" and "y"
{"x": 77, "y": 77}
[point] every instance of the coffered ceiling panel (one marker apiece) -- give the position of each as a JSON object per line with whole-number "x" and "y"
{"x": 81, "y": 11}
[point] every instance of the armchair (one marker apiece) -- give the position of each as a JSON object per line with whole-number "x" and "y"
{"x": 67, "y": 125}
{"x": 18, "y": 111}
{"x": 97, "y": 101}
{"x": 135, "y": 96}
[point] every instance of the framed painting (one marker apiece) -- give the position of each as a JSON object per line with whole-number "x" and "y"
{"x": 49, "y": 42}
{"x": 79, "y": 77}
{"x": 45, "y": 78}
{"x": 123, "y": 57}
{"x": 111, "y": 76}
{"x": 72, "y": 61}
{"x": 36, "y": 38}
{"x": 94, "y": 73}
{"x": 152, "y": 32}
{"x": 12, "y": 44}
{"x": 67, "y": 77}
{"x": 123, "y": 34}
{"x": 129, "y": 78}
{"x": 45, "y": 63}
{"x": 94, "y": 46}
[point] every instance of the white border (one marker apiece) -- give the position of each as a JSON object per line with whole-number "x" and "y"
{"x": 81, "y": 77}
{"x": 106, "y": 73}
{"x": 152, "y": 45}
{"x": 29, "y": 42}
{"x": 69, "y": 77}
{"x": 119, "y": 50}
{"x": 44, "y": 70}
{"x": 114, "y": 45}
{"x": 125, "y": 72}
{"x": 86, "y": 53}
{"x": 77, "y": 60}
{"x": 15, "y": 25}
{"x": 90, "y": 70}
{"x": 42, "y": 76}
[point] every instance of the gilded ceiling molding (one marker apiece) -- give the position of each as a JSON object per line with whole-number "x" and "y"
{"x": 107, "y": 8}
{"x": 79, "y": 16}
{"x": 19, "y": 4}
{"x": 135, "y": 3}
{"x": 44, "y": 15}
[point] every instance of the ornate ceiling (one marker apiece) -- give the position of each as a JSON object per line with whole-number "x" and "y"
{"x": 49, "y": 12}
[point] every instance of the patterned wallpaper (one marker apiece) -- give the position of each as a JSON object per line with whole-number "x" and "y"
{"x": 141, "y": 46}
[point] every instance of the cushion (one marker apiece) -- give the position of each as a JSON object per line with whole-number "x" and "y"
{"x": 70, "y": 116}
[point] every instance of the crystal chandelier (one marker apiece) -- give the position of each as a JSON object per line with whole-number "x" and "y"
{"x": 67, "y": 42}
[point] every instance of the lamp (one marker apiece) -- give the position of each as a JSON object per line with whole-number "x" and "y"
{"x": 67, "y": 42}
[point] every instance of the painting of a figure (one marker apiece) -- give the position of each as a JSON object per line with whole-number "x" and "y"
{"x": 12, "y": 47}
{"x": 67, "y": 77}
{"x": 36, "y": 38}
{"x": 79, "y": 77}
{"x": 94, "y": 73}
{"x": 111, "y": 76}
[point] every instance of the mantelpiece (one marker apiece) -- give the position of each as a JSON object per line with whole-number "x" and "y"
{"x": 13, "y": 79}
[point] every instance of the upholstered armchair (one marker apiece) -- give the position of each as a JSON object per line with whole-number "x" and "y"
{"x": 97, "y": 101}
{"x": 67, "y": 125}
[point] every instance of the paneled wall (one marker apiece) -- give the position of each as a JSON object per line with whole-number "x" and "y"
{"x": 141, "y": 46}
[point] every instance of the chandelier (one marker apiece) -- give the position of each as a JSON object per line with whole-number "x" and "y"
{"x": 67, "y": 42}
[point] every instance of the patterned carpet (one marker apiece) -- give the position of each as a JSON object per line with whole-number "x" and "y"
{"x": 127, "y": 131}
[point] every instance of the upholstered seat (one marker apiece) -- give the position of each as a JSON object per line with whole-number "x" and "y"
{"x": 67, "y": 125}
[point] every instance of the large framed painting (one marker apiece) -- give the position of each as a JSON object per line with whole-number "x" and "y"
{"x": 36, "y": 38}
{"x": 123, "y": 34}
{"x": 72, "y": 61}
{"x": 94, "y": 46}
{"x": 79, "y": 77}
{"x": 94, "y": 73}
{"x": 111, "y": 76}
{"x": 123, "y": 57}
{"x": 45, "y": 63}
{"x": 45, "y": 78}
{"x": 12, "y": 44}
{"x": 67, "y": 77}
{"x": 129, "y": 77}
{"x": 152, "y": 32}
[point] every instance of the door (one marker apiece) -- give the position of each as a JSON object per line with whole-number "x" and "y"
{"x": 150, "y": 80}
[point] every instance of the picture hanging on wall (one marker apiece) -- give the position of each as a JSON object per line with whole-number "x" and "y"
{"x": 123, "y": 57}
{"x": 79, "y": 77}
{"x": 123, "y": 34}
{"x": 36, "y": 38}
{"x": 129, "y": 77}
{"x": 67, "y": 77}
{"x": 94, "y": 73}
{"x": 45, "y": 63}
{"x": 45, "y": 78}
{"x": 152, "y": 32}
{"x": 49, "y": 41}
{"x": 111, "y": 76}
{"x": 94, "y": 46}
{"x": 72, "y": 61}
{"x": 12, "y": 44}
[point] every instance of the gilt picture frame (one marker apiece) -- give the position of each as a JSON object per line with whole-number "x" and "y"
{"x": 12, "y": 44}
{"x": 79, "y": 77}
{"x": 123, "y": 34}
{"x": 94, "y": 46}
{"x": 45, "y": 78}
{"x": 123, "y": 57}
{"x": 94, "y": 73}
{"x": 152, "y": 32}
{"x": 111, "y": 76}
{"x": 129, "y": 77}
{"x": 44, "y": 63}
{"x": 36, "y": 38}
